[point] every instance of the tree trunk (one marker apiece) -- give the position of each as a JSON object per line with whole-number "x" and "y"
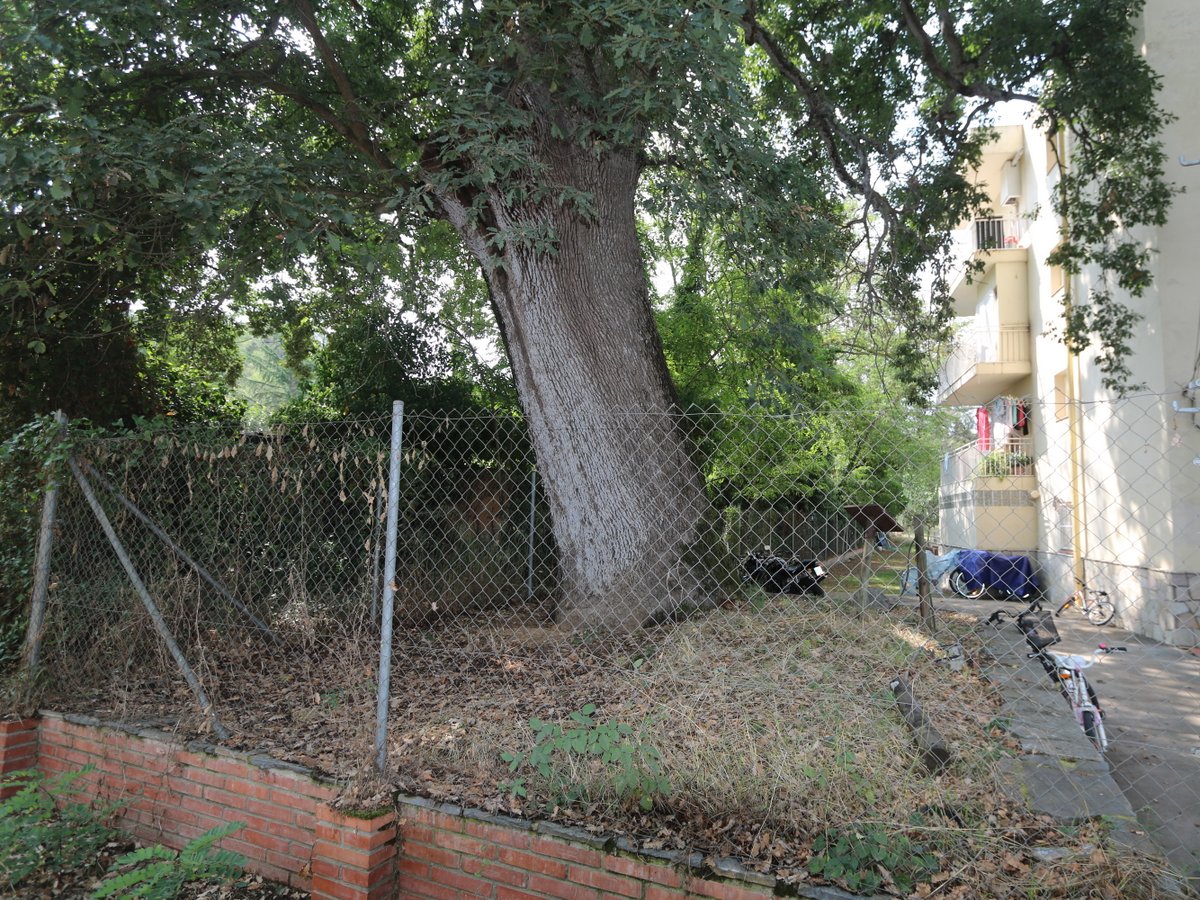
{"x": 626, "y": 498}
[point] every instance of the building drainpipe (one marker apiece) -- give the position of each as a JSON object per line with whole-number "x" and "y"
{"x": 1074, "y": 423}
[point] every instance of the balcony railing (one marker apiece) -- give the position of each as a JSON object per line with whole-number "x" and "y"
{"x": 975, "y": 345}
{"x": 1015, "y": 457}
{"x": 998, "y": 233}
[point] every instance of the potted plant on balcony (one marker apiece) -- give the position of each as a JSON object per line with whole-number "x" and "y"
{"x": 1003, "y": 463}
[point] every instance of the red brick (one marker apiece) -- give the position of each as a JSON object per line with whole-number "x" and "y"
{"x": 425, "y": 888}
{"x": 422, "y": 834}
{"x": 358, "y": 859}
{"x": 575, "y": 853}
{"x": 507, "y": 893}
{"x": 654, "y": 892}
{"x": 359, "y": 840}
{"x": 460, "y": 881}
{"x": 269, "y": 811}
{"x": 265, "y": 840}
{"x": 435, "y": 818}
{"x": 414, "y": 868}
{"x": 467, "y": 845}
{"x": 658, "y": 873}
{"x": 291, "y": 861}
{"x": 276, "y": 829}
{"x": 432, "y": 854}
{"x": 493, "y": 872}
{"x": 530, "y": 863}
{"x": 322, "y": 887}
{"x": 564, "y": 889}
{"x": 498, "y": 834}
{"x": 605, "y": 881}
{"x": 233, "y": 801}
{"x": 359, "y": 878}
{"x": 298, "y": 785}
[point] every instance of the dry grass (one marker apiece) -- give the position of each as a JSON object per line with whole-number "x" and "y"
{"x": 772, "y": 720}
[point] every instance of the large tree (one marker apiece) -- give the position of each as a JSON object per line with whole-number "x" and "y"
{"x": 529, "y": 126}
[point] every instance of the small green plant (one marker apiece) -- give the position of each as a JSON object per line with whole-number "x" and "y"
{"x": 1002, "y": 463}
{"x": 44, "y": 825}
{"x": 859, "y": 857}
{"x": 630, "y": 766}
{"x": 158, "y": 872}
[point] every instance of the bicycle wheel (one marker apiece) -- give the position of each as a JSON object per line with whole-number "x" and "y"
{"x": 1093, "y": 727}
{"x": 1100, "y": 611}
{"x": 958, "y": 584}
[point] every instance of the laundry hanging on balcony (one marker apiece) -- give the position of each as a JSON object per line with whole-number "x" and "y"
{"x": 983, "y": 428}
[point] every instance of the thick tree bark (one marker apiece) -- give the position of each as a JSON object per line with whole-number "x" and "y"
{"x": 626, "y": 498}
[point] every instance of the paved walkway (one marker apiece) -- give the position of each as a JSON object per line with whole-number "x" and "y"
{"x": 1151, "y": 698}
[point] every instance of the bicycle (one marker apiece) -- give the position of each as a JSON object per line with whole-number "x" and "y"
{"x": 1065, "y": 670}
{"x": 1093, "y": 604}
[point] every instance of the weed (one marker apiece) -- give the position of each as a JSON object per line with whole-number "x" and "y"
{"x": 866, "y": 857}
{"x": 560, "y": 757}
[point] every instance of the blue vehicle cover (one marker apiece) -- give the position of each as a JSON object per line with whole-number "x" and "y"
{"x": 1010, "y": 574}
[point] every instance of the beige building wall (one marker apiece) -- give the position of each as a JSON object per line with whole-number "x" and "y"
{"x": 1138, "y": 497}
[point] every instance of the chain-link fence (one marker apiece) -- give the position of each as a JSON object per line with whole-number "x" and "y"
{"x": 600, "y": 637}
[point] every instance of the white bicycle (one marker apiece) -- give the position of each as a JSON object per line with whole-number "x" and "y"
{"x": 1065, "y": 670}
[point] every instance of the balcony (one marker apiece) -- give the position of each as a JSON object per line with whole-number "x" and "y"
{"x": 1013, "y": 460}
{"x": 986, "y": 499}
{"x": 985, "y": 364}
{"x": 984, "y": 246}
{"x": 997, "y": 234}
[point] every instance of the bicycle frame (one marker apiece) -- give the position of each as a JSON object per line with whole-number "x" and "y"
{"x": 1095, "y": 605}
{"x": 1074, "y": 685}
{"x": 1066, "y": 671}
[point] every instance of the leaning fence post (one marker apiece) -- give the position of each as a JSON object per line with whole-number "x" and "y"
{"x": 181, "y": 553}
{"x": 41, "y": 569}
{"x": 925, "y": 601}
{"x": 389, "y": 589}
{"x": 156, "y": 616}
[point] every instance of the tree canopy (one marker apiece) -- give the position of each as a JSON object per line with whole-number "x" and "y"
{"x": 288, "y": 159}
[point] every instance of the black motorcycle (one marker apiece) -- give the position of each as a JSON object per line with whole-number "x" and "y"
{"x": 777, "y": 575}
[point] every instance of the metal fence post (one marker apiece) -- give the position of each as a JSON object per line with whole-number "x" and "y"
{"x": 156, "y": 616}
{"x": 389, "y": 589}
{"x": 41, "y": 570}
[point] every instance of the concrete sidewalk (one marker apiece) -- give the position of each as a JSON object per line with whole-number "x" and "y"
{"x": 1150, "y": 778}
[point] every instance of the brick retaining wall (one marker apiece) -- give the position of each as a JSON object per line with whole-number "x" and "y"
{"x": 171, "y": 792}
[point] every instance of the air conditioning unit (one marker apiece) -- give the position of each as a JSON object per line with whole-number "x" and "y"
{"x": 1010, "y": 183}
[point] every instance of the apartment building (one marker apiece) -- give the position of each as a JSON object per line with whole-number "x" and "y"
{"x": 1060, "y": 469}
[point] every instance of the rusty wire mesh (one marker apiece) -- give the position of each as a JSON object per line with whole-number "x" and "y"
{"x": 758, "y": 685}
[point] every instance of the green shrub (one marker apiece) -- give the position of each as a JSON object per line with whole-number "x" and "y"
{"x": 44, "y": 825}
{"x": 857, "y": 857}
{"x": 158, "y": 872}
{"x": 564, "y": 760}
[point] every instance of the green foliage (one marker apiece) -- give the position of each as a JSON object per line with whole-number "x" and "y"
{"x": 562, "y": 760}
{"x": 44, "y": 825}
{"x": 1003, "y": 463}
{"x": 158, "y": 873}
{"x": 855, "y": 856}
{"x": 335, "y": 161}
